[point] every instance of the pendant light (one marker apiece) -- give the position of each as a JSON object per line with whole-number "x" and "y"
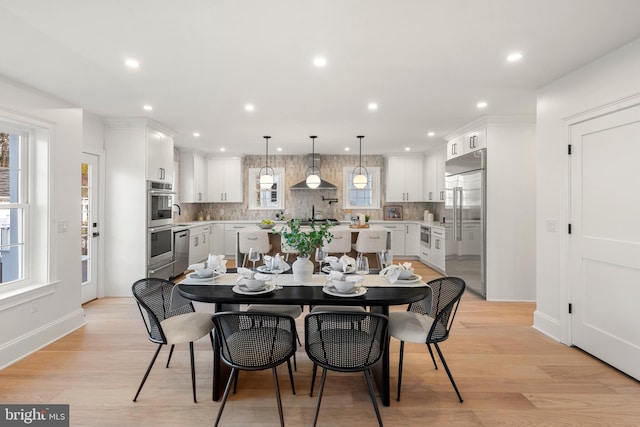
{"x": 313, "y": 172}
{"x": 266, "y": 180}
{"x": 360, "y": 180}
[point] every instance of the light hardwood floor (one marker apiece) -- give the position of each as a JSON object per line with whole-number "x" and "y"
{"x": 508, "y": 374}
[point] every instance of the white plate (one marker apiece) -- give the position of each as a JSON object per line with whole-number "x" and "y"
{"x": 196, "y": 278}
{"x": 413, "y": 279}
{"x": 243, "y": 290}
{"x": 265, "y": 269}
{"x": 327, "y": 269}
{"x": 331, "y": 290}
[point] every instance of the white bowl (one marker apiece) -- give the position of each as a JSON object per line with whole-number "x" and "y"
{"x": 405, "y": 274}
{"x": 204, "y": 272}
{"x": 254, "y": 284}
{"x": 343, "y": 286}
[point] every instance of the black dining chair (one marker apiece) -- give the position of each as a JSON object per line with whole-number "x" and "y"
{"x": 253, "y": 341}
{"x": 167, "y": 325}
{"x": 345, "y": 341}
{"x": 429, "y": 323}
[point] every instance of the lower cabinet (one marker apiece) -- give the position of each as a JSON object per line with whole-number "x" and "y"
{"x": 405, "y": 238}
{"x": 437, "y": 251}
{"x": 199, "y": 243}
{"x": 231, "y": 238}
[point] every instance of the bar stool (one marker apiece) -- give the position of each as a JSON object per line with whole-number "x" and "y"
{"x": 254, "y": 239}
{"x": 371, "y": 242}
{"x": 340, "y": 243}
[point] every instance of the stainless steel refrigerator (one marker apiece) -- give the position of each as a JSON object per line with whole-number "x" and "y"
{"x": 465, "y": 209}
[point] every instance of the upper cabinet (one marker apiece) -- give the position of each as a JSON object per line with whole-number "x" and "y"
{"x": 224, "y": 180}
{"x": 405, "y": 181}
{"x": 159, "y": 156}
{"x": 434, "y": 174}
{"x": 470, "y": 141}
{"x": 193, "y": 177}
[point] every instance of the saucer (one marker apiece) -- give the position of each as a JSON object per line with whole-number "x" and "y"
{"x": 243, "y": 290}
{"x": 331, "y": 290}
{"x": 412, "y": 279}
{"x": 196, "y": 278}
{"x": 267, "y": 270}
{"x": 327, "y": 269}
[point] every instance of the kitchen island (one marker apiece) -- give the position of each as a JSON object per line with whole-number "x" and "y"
{"x": 275, "y": 238}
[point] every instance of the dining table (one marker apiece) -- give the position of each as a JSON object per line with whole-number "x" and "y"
{"x": 375, "y": 292}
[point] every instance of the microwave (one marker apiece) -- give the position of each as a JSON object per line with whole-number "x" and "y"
{"x": 159, "y": 203}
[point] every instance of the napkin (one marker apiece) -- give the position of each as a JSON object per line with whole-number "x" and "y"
{"x": 281, "y": 263}
{"x": 245, "y": 273}
{"x": 217, "y": 262}
{"x": 335, "y": 275}
{"x": 348, "y": 263}
{"x": 392, "y": 272}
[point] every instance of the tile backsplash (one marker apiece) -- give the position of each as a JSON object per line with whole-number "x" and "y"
{"x": 298, "y": 204}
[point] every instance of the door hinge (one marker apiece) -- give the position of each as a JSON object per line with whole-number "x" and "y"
{"x": 570, "y": 308}
{"x": 569, "y": 149}
{"x": 569, "y": 228}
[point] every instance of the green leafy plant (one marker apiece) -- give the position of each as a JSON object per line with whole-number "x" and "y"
{"x": 305, "y": 242}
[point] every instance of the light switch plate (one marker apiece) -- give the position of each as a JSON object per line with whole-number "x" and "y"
{"x": 63, "y": 226}
{"x": 552, "y": 225}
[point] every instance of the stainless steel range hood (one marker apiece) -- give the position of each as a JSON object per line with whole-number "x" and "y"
{"x": 324, "y": 185}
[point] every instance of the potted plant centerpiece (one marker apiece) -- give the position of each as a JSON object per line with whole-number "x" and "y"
{"x": 305, "y": 242}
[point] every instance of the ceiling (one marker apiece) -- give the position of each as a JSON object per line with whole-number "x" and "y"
{"x": 426, "y": 63}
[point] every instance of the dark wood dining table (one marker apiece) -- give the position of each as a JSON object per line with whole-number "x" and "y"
{"x": 377, "y": 298}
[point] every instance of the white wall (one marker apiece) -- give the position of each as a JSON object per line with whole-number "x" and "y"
{"x": 58, "y": 311}
{"x": 613, "y": 77}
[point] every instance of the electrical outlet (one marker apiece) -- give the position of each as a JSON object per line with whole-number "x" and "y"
{"x": 552, "y": 225}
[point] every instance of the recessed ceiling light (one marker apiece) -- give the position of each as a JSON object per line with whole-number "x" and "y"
{"x": 347, "y": 149}
{"x": 132, "y": 63}
{"x": 431, "y": 134}
{"x": 320, "y": 61}
{"x": 481, "y": 104}
{"x": 148, "y": 107}
{"x": 249, "y": 107}
{"x": 514, "y": 57}
{"x": 279, "y": 149}
{"x": 407, "y": 148}
{"x": 223, "y": 149}
{"x": 196, "y": 134}
{"x": 372, "y": 106}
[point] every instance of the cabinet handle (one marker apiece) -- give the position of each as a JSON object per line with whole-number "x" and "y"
{"x": 222, "y": 197}
{"x": 430, "y": 195}
{"x": 437, "y": 243}
{"x": 196, "y": 239}
{"x": 442, "y": 195}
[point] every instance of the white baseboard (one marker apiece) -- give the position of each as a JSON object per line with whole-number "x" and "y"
{"x": 36, "y": 339}
{"x": 546, "y": 325}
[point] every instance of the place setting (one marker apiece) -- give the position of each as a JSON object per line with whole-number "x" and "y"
{"x": 207, "y": 272}
{"x": 400, "y": 274}
{"x": 345, "y": 264}
{"x": 340, "y": 284}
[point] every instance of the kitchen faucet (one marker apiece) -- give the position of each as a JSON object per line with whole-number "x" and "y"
{"x": 178, "y": 206}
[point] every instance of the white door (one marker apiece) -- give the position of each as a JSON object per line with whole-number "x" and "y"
{"x": 605, "y": 239}
{"x": 90, "y": 230}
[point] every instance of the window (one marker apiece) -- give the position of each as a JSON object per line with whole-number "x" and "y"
{"x": 366, "y": 198}
{"x": 272, "y": 198}
{"x": 13, "y": 207}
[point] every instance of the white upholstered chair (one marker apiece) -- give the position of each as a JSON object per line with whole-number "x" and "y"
{"x": 253, "y": 239}
{"x": 340, "y": 242}
{"x": 371, "y": 241}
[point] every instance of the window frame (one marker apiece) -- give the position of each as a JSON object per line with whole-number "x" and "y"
{"x": 253, "y": 177}
{"x": 347, "y": 186}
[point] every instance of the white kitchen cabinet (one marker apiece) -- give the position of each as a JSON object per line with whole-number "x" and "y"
{"x": 193, "y": 177}
{"x": 199, "y": 243}
{"x": 159, "y": 156}
{"x": 231, "y": 238}
{"x": 434, "y": 175}
{"x": 405, "y": 238}
{"x": 438, "y": 248}
{"x": 455, "y": 147}
{"x": 224, "y": 180}
{"x": 405, "y": 181}
{"x": 216, "y": 245}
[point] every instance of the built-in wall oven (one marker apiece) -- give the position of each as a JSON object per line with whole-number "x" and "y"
{"x": 159, "y": 203}
{"x": 160, "y": 258}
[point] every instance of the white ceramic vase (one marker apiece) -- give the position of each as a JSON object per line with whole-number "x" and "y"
{"x": 302, "y": 270}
